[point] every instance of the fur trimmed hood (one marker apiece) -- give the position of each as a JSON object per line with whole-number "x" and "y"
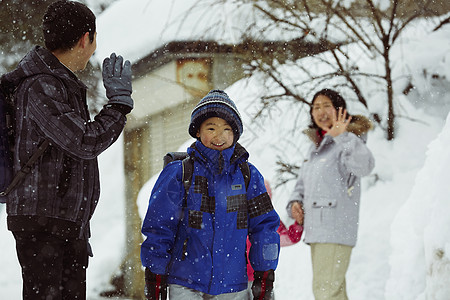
{"x": 359, "y": 125}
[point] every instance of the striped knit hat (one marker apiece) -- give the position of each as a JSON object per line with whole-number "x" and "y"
{"x": 216, "y": 104}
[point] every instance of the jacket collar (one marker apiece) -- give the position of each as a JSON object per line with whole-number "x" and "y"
{"x": 218, "y": 160}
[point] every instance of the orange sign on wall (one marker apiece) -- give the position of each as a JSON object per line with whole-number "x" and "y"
{"x": 194, "y": 75}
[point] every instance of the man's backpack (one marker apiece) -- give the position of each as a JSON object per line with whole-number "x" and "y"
{"x": 6, "y": 163}
{"x": 7, "y": 180}
{"x": 188, "y": 168}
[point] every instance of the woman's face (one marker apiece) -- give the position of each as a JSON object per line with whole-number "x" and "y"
{"x": 323, "y": 112}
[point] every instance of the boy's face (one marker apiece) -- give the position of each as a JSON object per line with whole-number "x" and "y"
{"x": 215, "y": 133}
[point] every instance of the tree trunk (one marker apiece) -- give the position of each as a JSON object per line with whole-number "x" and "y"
{"x": 136, "y": 174}
{"x": 390, "y": 95}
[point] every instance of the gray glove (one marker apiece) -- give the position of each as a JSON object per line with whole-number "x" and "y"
{"x": 117, "y": 80}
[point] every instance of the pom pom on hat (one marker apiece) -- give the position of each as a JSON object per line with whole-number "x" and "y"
{"x": 216, "y": 104}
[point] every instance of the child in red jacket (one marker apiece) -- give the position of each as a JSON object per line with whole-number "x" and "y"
{"x": 288, "y": 236}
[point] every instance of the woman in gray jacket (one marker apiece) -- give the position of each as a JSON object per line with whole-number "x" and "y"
{"x": 327, "y": 194}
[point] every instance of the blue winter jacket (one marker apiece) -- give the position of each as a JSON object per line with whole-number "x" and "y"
{"x": 206, "y": 249}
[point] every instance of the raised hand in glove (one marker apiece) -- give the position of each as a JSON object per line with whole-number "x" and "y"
{"x": 263, "y": 284}
{"x": 155, "y": 286}
{"x": 117, "y": 80}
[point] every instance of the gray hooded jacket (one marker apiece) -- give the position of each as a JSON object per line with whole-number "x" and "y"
{"x": 328, "y": 185}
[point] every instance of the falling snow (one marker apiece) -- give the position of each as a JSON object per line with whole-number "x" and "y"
{"x": 403, "y": 248}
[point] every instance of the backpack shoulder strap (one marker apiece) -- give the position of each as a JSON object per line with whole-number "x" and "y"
{"x": 171, "y": 156}
{"x": 187, "y": 163}
{"x": 26, "y": 168}
{"x": 188, "y": 171}
{"x": 245, "y": 169}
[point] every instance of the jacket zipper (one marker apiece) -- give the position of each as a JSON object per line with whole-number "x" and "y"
{"x": 184, "y": 250}
{"x": 213, "y": 219}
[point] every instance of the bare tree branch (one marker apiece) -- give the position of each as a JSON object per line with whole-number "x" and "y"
{"x": 350, "y": 80}
{"x": 351, "y": 28}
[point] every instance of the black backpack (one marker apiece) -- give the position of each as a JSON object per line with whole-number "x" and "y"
{"x": 188, "y": 169}
{"x": 8, "y": 181}
{"x": 6, "y": 163}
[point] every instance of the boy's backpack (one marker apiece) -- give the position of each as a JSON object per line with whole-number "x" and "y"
{"x": 188, "y": 169}
{"x": 7, "y": 180}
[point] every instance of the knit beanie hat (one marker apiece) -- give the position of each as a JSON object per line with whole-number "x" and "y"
{"x": 216, "y": 104}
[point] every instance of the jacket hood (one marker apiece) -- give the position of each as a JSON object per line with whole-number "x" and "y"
{"x": 359, "y": 125}
{"x": 38, "y": 61}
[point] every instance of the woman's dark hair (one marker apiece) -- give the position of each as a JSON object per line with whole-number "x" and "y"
{"x": 64, "y": 24}
{"x": 336, "y": 100}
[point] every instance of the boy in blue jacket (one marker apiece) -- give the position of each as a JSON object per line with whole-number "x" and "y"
{"x": 196, "y": 240}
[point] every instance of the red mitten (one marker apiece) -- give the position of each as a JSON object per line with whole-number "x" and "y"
{"x": 295, "y": 232}
{"x": 290, "y": 236}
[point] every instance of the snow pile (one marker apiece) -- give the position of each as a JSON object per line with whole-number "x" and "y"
{"x": 421, "y": 231}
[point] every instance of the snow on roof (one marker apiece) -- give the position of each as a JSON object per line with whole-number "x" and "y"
{"x": 135, "y": 28}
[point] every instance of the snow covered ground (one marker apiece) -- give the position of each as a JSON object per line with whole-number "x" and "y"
{"x": 404, "y": 228}
{"x": 403, "y": 249}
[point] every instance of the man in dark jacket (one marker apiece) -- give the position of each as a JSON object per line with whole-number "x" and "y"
{"x": 50, "y": 210}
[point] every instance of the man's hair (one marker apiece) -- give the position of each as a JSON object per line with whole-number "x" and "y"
{"x": 65, "y": 22}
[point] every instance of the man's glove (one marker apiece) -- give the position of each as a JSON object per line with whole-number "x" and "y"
{"x": 263, "y": 284}
{"x": 117, "y": 80}
{"x": 155, "y": 286}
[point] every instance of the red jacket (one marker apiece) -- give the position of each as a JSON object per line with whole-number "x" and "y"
{"x": 288, "y": 236}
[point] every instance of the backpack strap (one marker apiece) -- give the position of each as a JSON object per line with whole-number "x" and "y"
{"x": 187, "y": 163}
{"x": 245, "y": 169}
{"x": 188, "y": 172}
{"x": 171, "y": 156}
{"x": 26, "y": 168}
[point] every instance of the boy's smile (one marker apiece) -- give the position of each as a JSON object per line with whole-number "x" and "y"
{"x": 215, "y": 133}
